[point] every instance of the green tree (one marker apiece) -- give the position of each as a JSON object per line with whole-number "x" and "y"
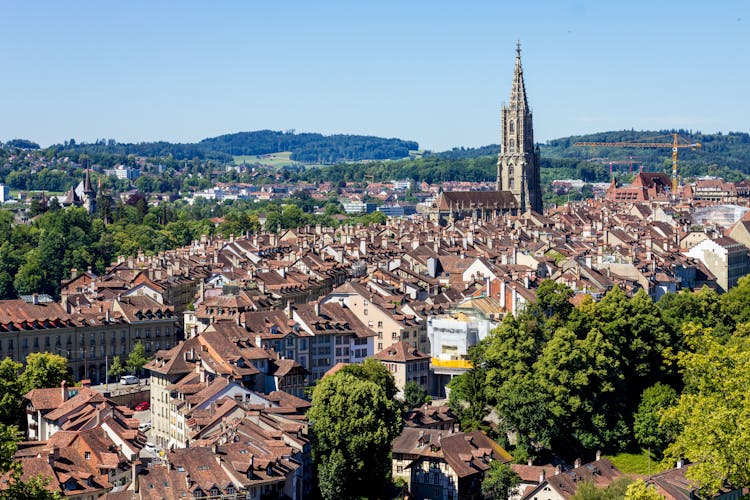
{"x": 374, "y": 371}
{"x": 712, "y": 412}
{"x": 468, "y": 399}
{"x": 554, "y": 298}
{"x": 43, "y": 369}
{"x": 15, "y": 487}
{"x": 353, "y": 422}
{"x": 736, "y": 302}
{"x": 500, "y": 481}
{"x": 331, "y": 470}
{"x": 30, "y": 278}
{"x": 137, "y": 358}
{"x": 581, "y": 377}
{"x": 115, "y": 368}
{"x": 414, "y": 395}
{"x": 647, "y": 425}
{"x": 10, "y": 391}
{"x": 639, "y": 490}
{"x": 615, "y": 491}
{"x": 704, "y": 307}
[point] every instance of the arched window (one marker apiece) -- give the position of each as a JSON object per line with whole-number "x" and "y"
{"x": 512, "y": 126}
{"x": 512, "y": 145}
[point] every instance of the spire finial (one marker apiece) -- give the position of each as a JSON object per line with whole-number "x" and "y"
{"x": 518, "y": 48}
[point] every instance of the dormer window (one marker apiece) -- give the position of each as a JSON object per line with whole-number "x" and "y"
{"x": 274, "y": 329}
{"x": 87, "y": 455}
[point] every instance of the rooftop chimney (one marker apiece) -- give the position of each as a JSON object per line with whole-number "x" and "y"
{"x": 53, "y": 454}
{"x": 577, "y": 463}
{"x": 64, "y": 390}
{"x": 542, "y": 476}
{"x": 290, "y": 310}
{"x": 134, "y": 477}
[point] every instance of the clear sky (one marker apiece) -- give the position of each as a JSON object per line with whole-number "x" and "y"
{"x": 433, "y": 71}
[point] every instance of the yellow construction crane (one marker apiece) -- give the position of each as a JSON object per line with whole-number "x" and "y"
{"x": 677, "y": 143}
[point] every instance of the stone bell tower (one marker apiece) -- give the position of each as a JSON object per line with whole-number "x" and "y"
{"x": 518, "y": 161}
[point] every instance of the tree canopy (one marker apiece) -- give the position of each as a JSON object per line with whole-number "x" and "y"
{"x": 713, "y": 411}
{"x": 43, "y": 369}
{"x": 137, "y": 358}
{"x": 500, "y": 481}
{"x": 14, "y": 486}
{"x": 353, "y": 421}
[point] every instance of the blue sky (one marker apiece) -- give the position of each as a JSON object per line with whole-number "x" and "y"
{"x": 435, "y": 72}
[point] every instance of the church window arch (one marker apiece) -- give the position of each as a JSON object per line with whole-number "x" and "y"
{"x": 512, "y": 145}
{"x": 512, "y": 126}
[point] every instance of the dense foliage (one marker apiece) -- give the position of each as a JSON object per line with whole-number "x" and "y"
{"x": 575, "y": 380}
{"x": 713, "y": 411}
{"x": 305, "y": 147}
{"x": 14, "y": 487}
{"x": 500, "y": 481}
{"x": 43, "y": 369}
{"x": 354, "y": 418}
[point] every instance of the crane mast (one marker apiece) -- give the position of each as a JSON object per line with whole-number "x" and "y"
{"x": 675, "y": 145}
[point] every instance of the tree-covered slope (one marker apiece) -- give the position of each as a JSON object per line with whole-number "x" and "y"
{"x": 727, "y": 155}
{"x": 305, "y": 147}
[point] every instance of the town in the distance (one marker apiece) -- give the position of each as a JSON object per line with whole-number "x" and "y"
{"x": 282, "y": 315}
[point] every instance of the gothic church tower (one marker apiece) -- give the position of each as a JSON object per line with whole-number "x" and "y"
{"x": 518, "y": 161}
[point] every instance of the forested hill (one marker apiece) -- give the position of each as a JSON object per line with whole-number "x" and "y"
{"x": 721, "y": 154}
{"x": 312, "y": 148}
{"x": 305, "y": 147}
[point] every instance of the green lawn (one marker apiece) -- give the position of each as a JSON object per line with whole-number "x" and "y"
{"x": 631, "y": 463}
{"x": 274, "y": 160}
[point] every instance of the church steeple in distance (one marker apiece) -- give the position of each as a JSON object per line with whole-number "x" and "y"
{"x": 518, "y": 161}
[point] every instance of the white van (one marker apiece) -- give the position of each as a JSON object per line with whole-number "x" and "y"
{"x": 129, "y": 379}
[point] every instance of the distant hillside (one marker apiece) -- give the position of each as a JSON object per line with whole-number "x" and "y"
{"x": 312, "y": 148}
{"x": 461, "y": 153}
{"x": 305, "y": 147}
{"x": 727, "y": 155}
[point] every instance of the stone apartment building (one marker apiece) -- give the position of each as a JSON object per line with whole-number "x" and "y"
{"x": 87, "y": 335}
{"x": 406, "y": 364}
{"x": 444, "y": 464}
{"x": 726, "y": 258}
{"x": 387, "y": 320}
{"x": 338, "y": 336}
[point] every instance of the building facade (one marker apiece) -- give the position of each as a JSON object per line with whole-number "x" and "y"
{"x": 88, "y": 337}
{"x": 726, "y": 258}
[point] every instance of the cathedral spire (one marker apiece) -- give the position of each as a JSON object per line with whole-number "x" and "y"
{"x": 518, "y": 161}
{"x": 518, "y": 90}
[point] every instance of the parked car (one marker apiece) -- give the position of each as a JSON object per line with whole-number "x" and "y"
{"x": 129, "y": 379}
{"x": 142, "y": 406}
{"x": 144, "y": 427}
